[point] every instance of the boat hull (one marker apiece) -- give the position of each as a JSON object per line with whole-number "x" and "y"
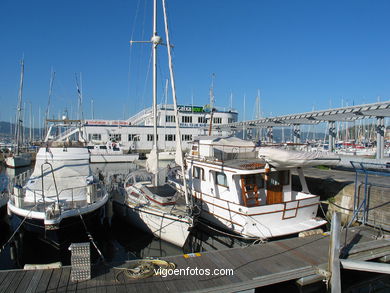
{"x": 168, "y": 227}
{"x": 61, "y": 233}
{"x": 262, "y": 222}
{"x": 18, "y": 161}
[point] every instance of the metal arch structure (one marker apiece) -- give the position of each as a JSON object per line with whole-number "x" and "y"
{"x": 378, "y": 110}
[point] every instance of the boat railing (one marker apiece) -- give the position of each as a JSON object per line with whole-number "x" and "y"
{"x": 66, "y": 199}
{"x": 223, "y": 152}
{"x": 19, "y": 180}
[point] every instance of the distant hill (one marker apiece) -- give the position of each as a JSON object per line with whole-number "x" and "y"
{"x": 8, "y": 129}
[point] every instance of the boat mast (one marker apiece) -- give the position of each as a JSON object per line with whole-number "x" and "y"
{"x": 155, "y": 41}
{"x": 19, "y": 110}
{"x": 179, "y": 151}
{"x": 53, "y": 74}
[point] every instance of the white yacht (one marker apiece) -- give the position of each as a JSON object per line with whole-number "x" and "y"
{"x": 111, "y": 152}
{"x": 241, "y": 192}
{"x": 61, "y": 191}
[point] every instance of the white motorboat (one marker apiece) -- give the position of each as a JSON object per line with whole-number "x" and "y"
{"x": 60, "y": 192}
{"x": 150, "y": 203}
{"x": 111, "y": 152}
{"x": 239, "y": 191}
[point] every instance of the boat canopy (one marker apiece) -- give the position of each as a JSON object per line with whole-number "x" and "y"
{"x": 286, "y": 159}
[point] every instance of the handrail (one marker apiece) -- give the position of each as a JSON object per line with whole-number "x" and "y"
{"x": 55, "y": 185}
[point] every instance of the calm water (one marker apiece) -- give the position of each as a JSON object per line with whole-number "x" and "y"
{"x": 119, "y": 242}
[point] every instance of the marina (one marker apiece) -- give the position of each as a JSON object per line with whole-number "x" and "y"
{"x": 175, "y": 193}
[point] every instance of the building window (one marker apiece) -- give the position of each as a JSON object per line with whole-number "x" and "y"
{"x": 186, "y": 137}
{"x": 170, "y": 118}
{"x": 186, "y": 119}
{"x": 220, "y": 179}
{"x": 170, "y": 137}
{"x": 134, "y": 137}
{"x": 94, "y": 136}
{"x": 115, "y": 137}
{"x": 198, "y": 173}
{"x": 217, "y": 120}
{"x": 150, "y": 137}
{"x": 202, "y": 119}
{"x": 231, "y": 120}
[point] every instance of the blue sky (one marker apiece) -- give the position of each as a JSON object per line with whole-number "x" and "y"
{"x": 300, "y": 54}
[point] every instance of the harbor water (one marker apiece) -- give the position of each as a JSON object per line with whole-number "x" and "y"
{"x": 118, "y": 242}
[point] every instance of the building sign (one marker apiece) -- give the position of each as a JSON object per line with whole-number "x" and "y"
{"x": 106, "y": 122}
{"x": 195, "y": 109}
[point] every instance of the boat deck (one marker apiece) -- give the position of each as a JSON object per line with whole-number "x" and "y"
{"x": 253, "y": 266}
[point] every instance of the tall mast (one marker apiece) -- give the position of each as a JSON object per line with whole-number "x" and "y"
{"x": 179, "y": 152}
{"x": 53, "y": 74}
{"x": 212, "y": 97}
{"x": 19, "y": 110}
{"x": 155, "y": 41}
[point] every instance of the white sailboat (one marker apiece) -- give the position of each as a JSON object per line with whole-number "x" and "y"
{"x": 62, "y": 190}
{"x": 240, "y": 191}
{"x": 151, "y": 205}
{"x": 18, "y": 158}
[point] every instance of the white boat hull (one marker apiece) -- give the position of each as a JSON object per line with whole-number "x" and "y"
{"x": 265, "y": 221}
{"x": 107, "y": 158}
{"x": 167, "y": 227}
{"x": 17, "y": 161}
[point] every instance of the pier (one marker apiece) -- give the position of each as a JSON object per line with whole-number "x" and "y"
{"x": 253, "y": 266}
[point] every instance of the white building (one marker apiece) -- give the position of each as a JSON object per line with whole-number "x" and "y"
{"x": 136, "y": 133}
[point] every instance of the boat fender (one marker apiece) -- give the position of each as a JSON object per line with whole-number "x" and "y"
{"x": 54, "y": 265}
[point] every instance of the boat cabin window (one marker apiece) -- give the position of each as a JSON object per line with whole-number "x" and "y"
{"x": 90, "y": 147}
{"x": 285, "y": 177}
{"x": 198, "y": 173}
{"x": 103, "y": 147}
{"x": 254, "y": 179}
{"x": 221, "y": 179}
{"x": 115, "y": 148}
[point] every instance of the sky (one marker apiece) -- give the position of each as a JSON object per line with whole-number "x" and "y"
{"x": 301, "y": 55}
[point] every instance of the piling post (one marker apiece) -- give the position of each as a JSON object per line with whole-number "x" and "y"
{"x": 334, "y": 253}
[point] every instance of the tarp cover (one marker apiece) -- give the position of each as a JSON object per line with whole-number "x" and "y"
{"x": 282, "y": 158}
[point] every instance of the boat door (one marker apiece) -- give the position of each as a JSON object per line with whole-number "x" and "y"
{"x": 274, "y": 188}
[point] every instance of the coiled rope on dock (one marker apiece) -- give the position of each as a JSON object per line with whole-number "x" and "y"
{"x": 145, "y": 268}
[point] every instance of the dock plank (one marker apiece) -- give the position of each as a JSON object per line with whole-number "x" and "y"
{"x": 25, "y": 282}
{"x": 64, "y": 280}
{"x": 16, "y": 281}
{"x": 33, "y": 285}
{"x": 8, "y": 281}
{"x": 54, "y": 280}
{"x": 44, "y": 281}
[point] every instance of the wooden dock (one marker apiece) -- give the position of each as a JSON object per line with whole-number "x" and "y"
{"x": 253, "y": 266}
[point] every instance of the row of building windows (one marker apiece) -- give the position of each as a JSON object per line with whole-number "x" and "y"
{"x": 137, "y": 137}
{"x": 201, "y": 119}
